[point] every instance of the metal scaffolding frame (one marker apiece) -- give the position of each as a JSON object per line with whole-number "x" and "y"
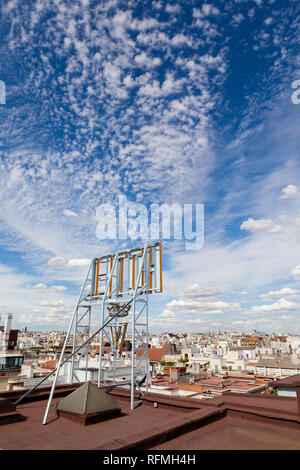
{"x": 119, "y": 295}
{"x": 137, "y": 295}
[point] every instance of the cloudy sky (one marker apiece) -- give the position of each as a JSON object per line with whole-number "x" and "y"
{"x": 161, "y": 102}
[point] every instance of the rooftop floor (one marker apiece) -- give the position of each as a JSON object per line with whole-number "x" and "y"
{"x": 234, "y": 433}
{"x": 61, "y": 433}
{"x": 232, "y": 421}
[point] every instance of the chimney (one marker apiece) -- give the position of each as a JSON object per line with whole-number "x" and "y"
{"x": 6, "y": 332}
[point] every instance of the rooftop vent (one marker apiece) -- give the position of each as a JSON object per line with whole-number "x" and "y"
{"x": 88, "y": 404}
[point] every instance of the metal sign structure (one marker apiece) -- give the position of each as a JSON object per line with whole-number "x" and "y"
{"x": 118, "y": 285}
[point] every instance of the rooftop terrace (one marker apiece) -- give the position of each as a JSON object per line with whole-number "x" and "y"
{"x": 232, "y": 421}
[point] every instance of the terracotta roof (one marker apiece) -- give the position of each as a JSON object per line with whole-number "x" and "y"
{"x": 156, "y": 354}
{"x": 49, "y": 364}
{"x": 251, "y": 338}
{"x": 279, "y": 338}
{"x": 95, "y": 349}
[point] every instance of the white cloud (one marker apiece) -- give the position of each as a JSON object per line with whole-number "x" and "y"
{"x": 49, "y": 303}
{"x": 197, "y": 300}
{"x": 142, "y": 25}
{"x": 237, "y": 18}
{"x": 199, "y": 291}
{"x": 156, "y": 5}
{"x": 296, "y": 272}
{"x": 284, "y": 292}
{"x": 291, "y": 220}
{"x": 181, "y": 39}
{"x": 40, "y": 286}
{"x": 112, "y": 73}
{"x": 208, "y": 9}
{"x": 289, "y": 192}
{"x": 238, "y": 265}
{"x": 57, "y": 288}
{"x": 57, "y": 262}
{"x": 143, "y": 60}
{"x": 69, "y": 213}
{"x": 78, "y": 262}
{"x": 267, "y": 225}
{"x": 172, "y": 8}
{"x": 280, "y": 305}
{"x": 268, "y": 20}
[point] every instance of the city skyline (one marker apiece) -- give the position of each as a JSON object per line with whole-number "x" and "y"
{"x": 183, "y": 102}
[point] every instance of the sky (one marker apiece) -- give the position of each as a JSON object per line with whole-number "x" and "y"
{"x": 188, "y": 102}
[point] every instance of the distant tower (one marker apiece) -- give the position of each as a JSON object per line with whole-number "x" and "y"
{"x": 6, "y": 333}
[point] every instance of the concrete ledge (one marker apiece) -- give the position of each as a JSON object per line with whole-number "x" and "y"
{"x": 93, "y": 418}
{"x": 12, "y": 417}
{"x": 265, "y": 416}
{"x": 6, "y": 406}
{"x": 151, "y": 397}
{"x": 40, "y": 393}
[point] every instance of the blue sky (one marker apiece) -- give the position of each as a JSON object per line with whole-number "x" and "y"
{"x": 164, "y": 102}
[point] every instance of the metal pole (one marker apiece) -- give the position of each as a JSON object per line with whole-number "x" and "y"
{"x": 101, "y": 334}
{"x": 73, "y": 349}
{"x": 133, "y": 329}
{"x": 114, "y": 349}
{"x": 103, "y": 308}
{"x": 87, "y": 348}
{"x": 76, "y": 322}
{"x": 132, "y": 358}
{"x": 63, "y": 349}
{"x": 147, "y": 320}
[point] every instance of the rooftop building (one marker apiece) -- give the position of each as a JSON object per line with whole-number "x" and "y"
{"x": 10, "y": 359}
